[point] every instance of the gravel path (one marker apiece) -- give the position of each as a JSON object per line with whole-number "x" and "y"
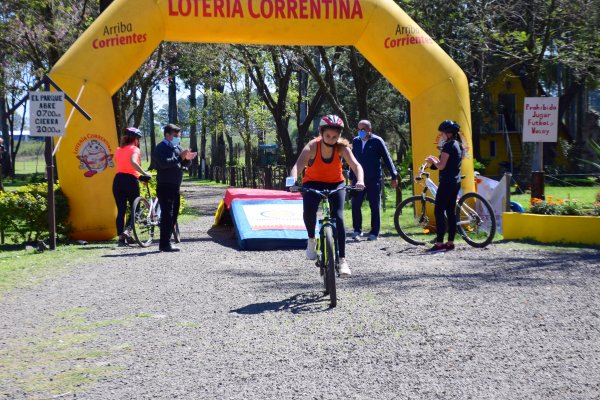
{"x": 212, "y": 322}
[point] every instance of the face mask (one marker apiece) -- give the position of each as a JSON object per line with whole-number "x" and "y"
{"x": 175, "y": 141}
{"x": 441, "y": 143}
{"x": 362, "y": 134}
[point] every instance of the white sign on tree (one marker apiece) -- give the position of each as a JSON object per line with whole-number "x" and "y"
{"x": 47, "y": 114}
{"x": 540, "y": 119}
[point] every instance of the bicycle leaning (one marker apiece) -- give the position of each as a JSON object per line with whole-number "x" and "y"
{"x": 327, "y": 251}
{"x": 145, "y": 219}
{"x": 415, "y": 223}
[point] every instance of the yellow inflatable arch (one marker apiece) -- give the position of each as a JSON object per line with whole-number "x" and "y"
{"x": 126, "y": 33}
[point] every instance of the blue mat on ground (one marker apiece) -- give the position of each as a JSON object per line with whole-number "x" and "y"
{"x": 269, "y": 224}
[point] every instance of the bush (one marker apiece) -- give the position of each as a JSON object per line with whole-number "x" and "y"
{"x": 24, "y": 213}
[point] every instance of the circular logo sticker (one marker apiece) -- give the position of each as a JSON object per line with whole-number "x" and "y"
{"x": 93, "y": 153}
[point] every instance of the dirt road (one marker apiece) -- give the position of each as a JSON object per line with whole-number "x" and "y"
{"x": 212, "y": 322}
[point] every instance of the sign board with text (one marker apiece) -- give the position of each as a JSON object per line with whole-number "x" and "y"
{"x": 540, "y": 119}
{"x": 47, "y": 113}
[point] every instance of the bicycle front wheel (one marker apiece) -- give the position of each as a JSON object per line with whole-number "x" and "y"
{"x": 329, "y": 265}
{"x": 143, "y": 228}
{"x": 475, "y": 219}
{"x": 414, "y": 220}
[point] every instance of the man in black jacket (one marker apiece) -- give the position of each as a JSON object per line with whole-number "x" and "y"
{"x": 370, "y": 149}
{"x": 170, "y": 159}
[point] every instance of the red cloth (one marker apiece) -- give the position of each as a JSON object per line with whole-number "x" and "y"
{"x": 258, "y": 194}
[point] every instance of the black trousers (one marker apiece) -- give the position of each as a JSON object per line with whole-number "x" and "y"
{"x": 168, "y": 199}
{"x": 125, "y": 190}
{"x": 445, "y": 203}
{"x": 311, "y": 204}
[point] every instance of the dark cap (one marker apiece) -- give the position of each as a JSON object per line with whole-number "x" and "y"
{"x": 171, "y": 128}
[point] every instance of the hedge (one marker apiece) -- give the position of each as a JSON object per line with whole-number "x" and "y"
{"x": 24, "y": 215}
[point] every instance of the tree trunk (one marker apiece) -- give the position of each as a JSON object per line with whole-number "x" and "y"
{"x": 203, "y": 173}
{"x": 230, "y": 148}
{"x": 193, "y": 127}
{"x": 104, "y": 5}
{"x": 173, "y": 117}
{"x": 152, "y": 131}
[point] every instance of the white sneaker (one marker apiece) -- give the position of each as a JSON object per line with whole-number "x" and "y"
{"x": 355, "y": 235}
{"x": 311, "y": 249}
{"x": 344, "y": 269}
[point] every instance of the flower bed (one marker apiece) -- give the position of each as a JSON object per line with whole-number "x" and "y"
{"x": 555, "y": 221}
{"x": 556, "y": 206}
{"x": 552, "y": 228}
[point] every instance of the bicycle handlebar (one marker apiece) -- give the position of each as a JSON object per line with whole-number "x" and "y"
{"x": 325, "y": 193}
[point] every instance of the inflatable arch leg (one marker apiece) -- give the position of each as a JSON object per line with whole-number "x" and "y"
{"x": 126, "y": 33}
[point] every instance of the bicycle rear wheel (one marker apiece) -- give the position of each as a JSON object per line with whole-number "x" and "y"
{"x": 328, "y": 258}
{"x": 414, "y": 220}
{"x": 476, "y": 222}
{"x": 143, "y": 227}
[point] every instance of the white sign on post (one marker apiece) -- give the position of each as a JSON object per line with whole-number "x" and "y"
{"x": 47, "y": 113}
{"x": 540, "y": 119}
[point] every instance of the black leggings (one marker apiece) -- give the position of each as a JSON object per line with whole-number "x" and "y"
{"x": 336, "y": 203}
{"x": 125, "y": 189}
{"x": 445, "y": 203}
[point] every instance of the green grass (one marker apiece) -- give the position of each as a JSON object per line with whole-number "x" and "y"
{"x": 22, "y": 268}
{"x": 61, "y": 355}
{"x": 387, "y": 215}
{"x": 583, "y": 194}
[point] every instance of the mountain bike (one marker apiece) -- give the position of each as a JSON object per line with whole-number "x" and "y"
{"x": 145, "y": 219}
{"x": 327, "y": 251}
{"x": 475, "y": 219}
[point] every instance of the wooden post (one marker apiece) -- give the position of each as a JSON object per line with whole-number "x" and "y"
{"x": 537, "y": 185}
{"x": 508, "y": 179}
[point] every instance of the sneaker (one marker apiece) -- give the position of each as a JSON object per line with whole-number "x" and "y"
{"x": 437, "y": 248}
{"x": 122, "y": 242}
{"x": 126, "y": 235}
{"x": 344, "y": 269}
{"x": 355, "y": 235}
{"x": 170, "y": 249}
{"x": 449, "y": 247}
{"x": 373, "y": 237}
{"x": 311, "y": 249}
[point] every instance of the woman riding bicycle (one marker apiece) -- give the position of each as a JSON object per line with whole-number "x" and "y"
{"x": 322, "y": 159}
{"x": 449, "y": 163}
{"x": 125, "y": 184}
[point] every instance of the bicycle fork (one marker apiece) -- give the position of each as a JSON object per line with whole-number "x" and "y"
{"x": 321, "y": 253}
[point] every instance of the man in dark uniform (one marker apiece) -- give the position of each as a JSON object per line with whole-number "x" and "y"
{"x": 369, "y": 149}
{"x": 170, "y": 159}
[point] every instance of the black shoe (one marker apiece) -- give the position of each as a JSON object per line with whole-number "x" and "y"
{"x": 122, "y": 243}
{"x": 436, "y": 249}
{"x": 170, "y": 249}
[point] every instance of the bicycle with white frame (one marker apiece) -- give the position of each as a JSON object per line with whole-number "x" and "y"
{"x": 415, "y": 222}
